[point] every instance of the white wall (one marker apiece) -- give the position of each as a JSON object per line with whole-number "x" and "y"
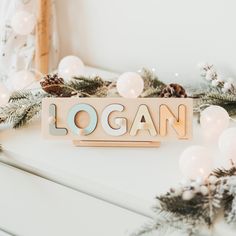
{"x": 170, "y": 35}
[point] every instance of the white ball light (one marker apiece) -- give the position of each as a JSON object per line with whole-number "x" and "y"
{"x": 213, "y": 120}
{"x": 227, "y": 143}
{"x": 195, "y": 162}
{"x": 4, "y": 95}
{"x": 23, "y": 22}
{"x": 130, "y": 85}
{"x": 22, "y": 79}
{"x": 70, "y": 66}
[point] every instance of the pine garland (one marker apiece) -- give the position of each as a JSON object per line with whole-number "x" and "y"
{"x": 25, "y": 105}
{"x": 186, "y": 208}
{"x": 22, "y": 108}
{"x": 193, "y": 207}
{"x": 218, "y": 91}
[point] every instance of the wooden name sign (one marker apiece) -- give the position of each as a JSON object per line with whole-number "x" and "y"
{"x": 117, "y": 121}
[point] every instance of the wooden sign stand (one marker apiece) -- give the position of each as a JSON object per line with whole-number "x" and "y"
{"x": 117, "y": 122}
{"x": 94, "y": 143}
{"x": 110, "y": 122}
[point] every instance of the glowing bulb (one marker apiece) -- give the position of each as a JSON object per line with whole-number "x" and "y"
{"x": 195, "y": 162}
{"x": 227, "y": 143}
{"x": 70, "y": 66}
{"x": 23, "y": 22}
{"x": 213, "y": 120}
{"x": 130, "y": 85}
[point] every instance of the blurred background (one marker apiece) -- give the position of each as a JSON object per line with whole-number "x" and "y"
{"x": 170, "y": 36}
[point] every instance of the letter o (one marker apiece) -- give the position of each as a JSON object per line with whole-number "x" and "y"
{"x": 92, "y": 114}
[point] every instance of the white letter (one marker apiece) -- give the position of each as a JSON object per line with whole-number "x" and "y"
{"x": 121, "y": 122}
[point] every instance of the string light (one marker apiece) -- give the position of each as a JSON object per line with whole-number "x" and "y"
{"x": 195, "y": 162}
{"x": 130, "y": 85}
{"x": 70, "y": 66}
{"x": 23, "y": 22}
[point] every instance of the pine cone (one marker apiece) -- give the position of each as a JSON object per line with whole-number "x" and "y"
{"x": 53, "y": 84}
{"x": 173, "y": 90}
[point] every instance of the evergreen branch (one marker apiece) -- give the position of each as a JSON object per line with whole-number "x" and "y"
{"x": 22, "y": 109}
{"x": 24, "y": 105}
{"x": 219, "y": 92}
{"x": 18, "y": 95}
{"x": 27, "y": 115}
{"x": 147, "y": 228}
{"x": 227, "y": 101}
{"x": 230, "y": 216}
{"x": 223, "y": 97}
{"x": 199, "y": 208}
{"x": 222, "y": 172}
{"x": 151, "y": 80}
{"x": 167, "y": 222}
{"x": 87, "y": 85}
{"x": 151, "y": 92}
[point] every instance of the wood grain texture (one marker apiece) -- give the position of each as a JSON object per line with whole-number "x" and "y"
{"x": 99, "y": 137}
{"x": 43, "y": 36}
{"x": 138, "y": 144}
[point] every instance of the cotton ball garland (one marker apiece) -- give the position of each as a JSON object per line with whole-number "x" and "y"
{"x": 213, "y": 120}
{"x": 227, "y": 143}
{"x": 70, "y": 66}
{"x": 228, "y": 85}
{"x": 23, "y": 22}
{"x": 4, "y": 95}
{"x": 215, "y": 82}
{"x": 210, "y": 74}
{"x": 22, "y": 79}
{"x": 188, "y": 195}
{"x": 130, "y": 85}
{"x": 204, "y": 190}
{"x": 196, "y": 161}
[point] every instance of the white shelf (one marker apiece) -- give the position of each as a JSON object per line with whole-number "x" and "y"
{"x": 127, "y": 177}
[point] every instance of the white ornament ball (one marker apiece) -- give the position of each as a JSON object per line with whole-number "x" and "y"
{"x": 22, "y": 79}
{"x": 212, "y": 187}
{"x": 210, "y": 74}
{"x": 130, "y": 85}
{"x": 212, "y": 179}
{"x": 224, "y": 90}
{"x": 214, "y": 119}
{"x": 195, "y": 162}
{"x": 178, "y": 191}
{"x": 227, "y": 143}
{"x": 204, "y": 190}
{"x": 23, "y": 22}
{"x": 215, "y": 82}
{"x": 4, "y": 95}
{"x": 188, "y": 195}
{"x": 70, "y": 66}
{"x": 227, "y": 85}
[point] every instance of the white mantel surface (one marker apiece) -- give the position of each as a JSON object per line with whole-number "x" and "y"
{"x": 128, "y": 177}
{"x": 32, "y": 206}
